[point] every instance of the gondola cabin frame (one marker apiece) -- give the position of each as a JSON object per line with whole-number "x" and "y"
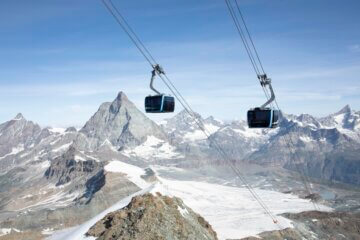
{"x": 159, "y": 104}
{"x": 262, "y": 118}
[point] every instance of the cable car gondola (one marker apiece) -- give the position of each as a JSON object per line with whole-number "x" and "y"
{"x": 159, "y": 103}
{"x": 264, "y": 117}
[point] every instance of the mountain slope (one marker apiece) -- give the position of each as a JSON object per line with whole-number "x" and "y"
{"x": 119, "y": 123}
{"x": 150, "y": 217}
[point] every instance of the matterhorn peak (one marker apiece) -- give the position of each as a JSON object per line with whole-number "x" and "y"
{"x": 18, "y": 117}
{"x": 121, "y": 97}
{"x": 120, "y": 123}
{"x": 120, "y": 101}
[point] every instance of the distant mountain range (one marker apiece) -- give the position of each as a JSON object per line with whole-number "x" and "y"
{"x": 326, "y": 147}
{"x": 43, "y": 170}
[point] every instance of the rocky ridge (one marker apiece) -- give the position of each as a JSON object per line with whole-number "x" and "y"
{"x": 317, "y": 225}
{"x": 150, "y": 217}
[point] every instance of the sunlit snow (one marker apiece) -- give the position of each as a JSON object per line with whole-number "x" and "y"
{"x": 231, "y": 211}
{"x": 14, "y": 151}
{"x": 153, "y": 148}
{"x": 133, "y": 173}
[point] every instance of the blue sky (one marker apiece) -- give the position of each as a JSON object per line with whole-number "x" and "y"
{"x": 61, "y": 59}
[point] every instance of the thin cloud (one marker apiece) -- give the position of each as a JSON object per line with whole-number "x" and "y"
{"x": 354, "y": 48}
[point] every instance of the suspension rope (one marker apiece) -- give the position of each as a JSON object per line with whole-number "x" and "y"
{"x": 132, "y": 31}
{"x": 223, "y": 154}
{"x": 253, "y": 52}
{"x": 303, "y": 177}
{"x": 241, "y": 34}
{"x": 246, "y": 44}
{"x": 128, "y": 32}
{"x": 198, "y": 121}
{"x": 249, "y": 35}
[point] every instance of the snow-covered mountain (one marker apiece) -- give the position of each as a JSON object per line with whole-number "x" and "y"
{"x": 53, "y": 172}
{"x": 325, "y": 147}
{"x": 119, "y": 123}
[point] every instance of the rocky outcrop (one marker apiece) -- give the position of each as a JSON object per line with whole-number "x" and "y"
{"x": 317, "y": 225}
{"x": 150, "y": 217}
{"x": 16, "y": 136}
{"x": 66, "y": 168}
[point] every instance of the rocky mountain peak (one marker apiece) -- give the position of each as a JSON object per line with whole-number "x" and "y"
{"x": 345, "y": 109}
{"x": 119, "y": 123}
{"x": 121, "y": 97}
{"x": 153, "y": 217}
{"x": 19, "y": 116}
{"x": 120, "y": 101}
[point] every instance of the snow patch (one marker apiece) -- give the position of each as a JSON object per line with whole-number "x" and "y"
{"x": 57, "y": 130}
{"x": 45, "y": 164}
{"x": 78, "y": 158}
{"x": 14, "y": 151}
{"x": 153, "y": 148}
{"x": 6, "y": 231}
{"x": 211, "y": 128}
{"x": 183, "y": 211}
{"x": 109, "y": 144}
{"x": 230, "y": 210}
{"x": 47, "y": 231}
{"x": 62, "y": 147}
{"x": 306, "y": 139}
{"x": 196, "y": 135}
{"x": 133, "y": 173}
{"x": 249, "y": 133}
{"x": 339, "y": 119}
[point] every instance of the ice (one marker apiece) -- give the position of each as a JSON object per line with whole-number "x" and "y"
{"x": 231, "y": 211}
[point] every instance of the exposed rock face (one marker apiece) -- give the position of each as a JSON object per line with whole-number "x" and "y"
{"x": 16, "y": 136}
{"x": 238, "y": 142}
{"x": 119, "y": 123}
{"x": 84, "y": 173}
{"x": 150, "y": 217}
{"x": 317, "y": 225}
{"x": 66, "y": 167}
{"x": 288, "y": 234}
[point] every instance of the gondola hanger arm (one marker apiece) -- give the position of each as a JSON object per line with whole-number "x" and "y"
{"x": 265, "y": 81}
{"x": 157, "y": 70}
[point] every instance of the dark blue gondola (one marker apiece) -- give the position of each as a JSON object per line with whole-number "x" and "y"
{"x": 262, "y": 118}
{"x": 159, "y": 103}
